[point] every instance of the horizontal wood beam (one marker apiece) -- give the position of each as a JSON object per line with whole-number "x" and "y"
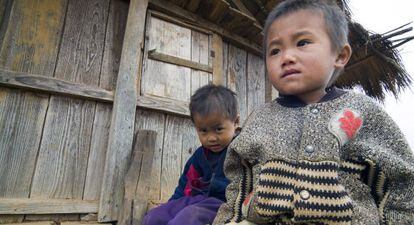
{"x": 192, "y": 18}
{"x": 56, "y": 86}
{"x": 53, "y": 86}
{"x": 152, "y": 54}
{"x": 164, "y": 105}
{"x": 46, "y": 206}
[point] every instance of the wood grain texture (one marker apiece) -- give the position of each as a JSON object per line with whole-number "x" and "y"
{"x": 63, "y": 155}
{"x": 115, "y": 30}
{"x": 50, "y": 85}
{"x": 146, "y": 141}
{"x": 46, "y": 206}
{"x": 123, "y": 113}
{"x": 218, "y": 48}
{"x": 150, "y": 120}
{"x": 137, "y": 182}
{"x": 64, "y": 151}
{"x": 172, "y": 155}
{"x": 164, "y": 79}
{"x": 178, "y": 61}
{"x": 200, "y": 48}
{"x": 236, "y": 78}
{"x": 30, "y": 40}
{"x": 194, "y": 19}
{"x": 256, "y": 82}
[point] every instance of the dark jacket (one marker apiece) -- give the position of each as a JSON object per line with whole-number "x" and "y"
{"x": 199, "y": 178}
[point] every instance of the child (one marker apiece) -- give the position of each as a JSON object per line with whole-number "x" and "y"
{"x": 317, "y": 154}
{"x": 201, "y": 187}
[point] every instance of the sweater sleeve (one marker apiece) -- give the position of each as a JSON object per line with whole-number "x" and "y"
{"x": 390, "y": 172}
{"x": 240, "y": 176}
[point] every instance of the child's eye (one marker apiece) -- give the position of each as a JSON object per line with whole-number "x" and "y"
{"x": 202, "y": 130}
{"x": 303, "y": 43}
{"x": 274, "y": 51}
{"x": 219, "y": 129}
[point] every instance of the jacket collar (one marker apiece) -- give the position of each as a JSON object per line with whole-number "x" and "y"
{"x": 292, "y": 101}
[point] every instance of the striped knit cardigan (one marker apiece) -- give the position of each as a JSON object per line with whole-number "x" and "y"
{"x": 340, "y": 161}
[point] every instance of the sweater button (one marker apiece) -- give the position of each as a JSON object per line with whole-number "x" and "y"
{"x": 304, "y": 195}
{"x": 314, "y": 110}
{"x": 309, "y": 149}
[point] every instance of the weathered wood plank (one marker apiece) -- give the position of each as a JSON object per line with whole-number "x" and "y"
{"x": 46, "y": 206}
{"x": 68, "y": 128}
{"x": 63, "y": 155}
{"x": 256, "y": 79}
{"x": 34, "y": 223}
{"x": 163, "y": 104}
{"x": 152, "y": 54}
{"x": 40, "y": 83}
{"x": 190, "y": 142}
{"x": 200, "y": 46}
{"x": 192, "y": 18}
{"x": 150, "y": 120}
{"x": 236, "y": 78}
{"x": 218, "y": 75}
{"x": 164, "y": 79}
{"x": 99, "y": 145}
{"x": 179, "y": 22}
{"x": 123, "y": 114}
{"x": 137, "y": 181}
{"x": 30, "y": 44}
{"x": 83, "y": 40}
{"x": 147, "y": 142}
{"x": 225, "y": 63}
{"x": 32, "y": 36}
{"x": 172, "y": 155}
{"x": 5, "y": 10}
{"x": 115, "y": 30}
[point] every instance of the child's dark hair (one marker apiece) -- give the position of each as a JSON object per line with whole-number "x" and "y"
{"x": 335, "y": 19}
{"x": 214, "y": 99}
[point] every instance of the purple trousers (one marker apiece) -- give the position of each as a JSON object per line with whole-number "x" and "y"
{"x": 189, "y": 210}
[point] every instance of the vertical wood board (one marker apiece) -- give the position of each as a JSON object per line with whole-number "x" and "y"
{"x": 109, "y": 72}
{"x": 150, "y": 120}
{"x": 30, "y": 42}
{"x": 171, "y": 157}
{"x": 256, "y": 82}
{"x": 236, "y": 78}
{"x": 81, "y": 51}
{"x": 123, "y": 114}
{"x": 68, "y": 129}
{"x": 61, "y": 166}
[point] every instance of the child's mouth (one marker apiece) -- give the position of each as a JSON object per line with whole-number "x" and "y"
{"x": 290, "y": 72}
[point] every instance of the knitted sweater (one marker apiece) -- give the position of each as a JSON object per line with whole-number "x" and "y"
{"x": 203, "y": 175}
{"x": 340, "y": 161}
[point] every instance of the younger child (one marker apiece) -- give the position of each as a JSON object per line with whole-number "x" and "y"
{"x": 316, "y": 154}
{"x": 201, "y": 187}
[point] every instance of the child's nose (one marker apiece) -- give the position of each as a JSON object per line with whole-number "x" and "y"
{"x": 288, "y": 57}
{"x": 212, "y": 138}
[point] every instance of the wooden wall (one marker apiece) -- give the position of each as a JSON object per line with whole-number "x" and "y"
{"x": 53, "y": 146}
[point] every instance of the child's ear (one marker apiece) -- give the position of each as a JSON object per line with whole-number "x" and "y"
{"x": 343, "y": 56}
{"x": 237, "y": 121}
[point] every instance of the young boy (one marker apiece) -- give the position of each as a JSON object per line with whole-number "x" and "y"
{"x": 317, "y": 154}
{"x": 201, "y": 187}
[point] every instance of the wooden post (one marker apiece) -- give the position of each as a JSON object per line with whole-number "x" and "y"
{"x": 137, "y": 179}
{"x": 218, "y": 77}
{"x": 123, "y": 113}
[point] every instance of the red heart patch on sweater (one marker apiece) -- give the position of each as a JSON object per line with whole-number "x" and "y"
{"x": 349, "y": 123}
